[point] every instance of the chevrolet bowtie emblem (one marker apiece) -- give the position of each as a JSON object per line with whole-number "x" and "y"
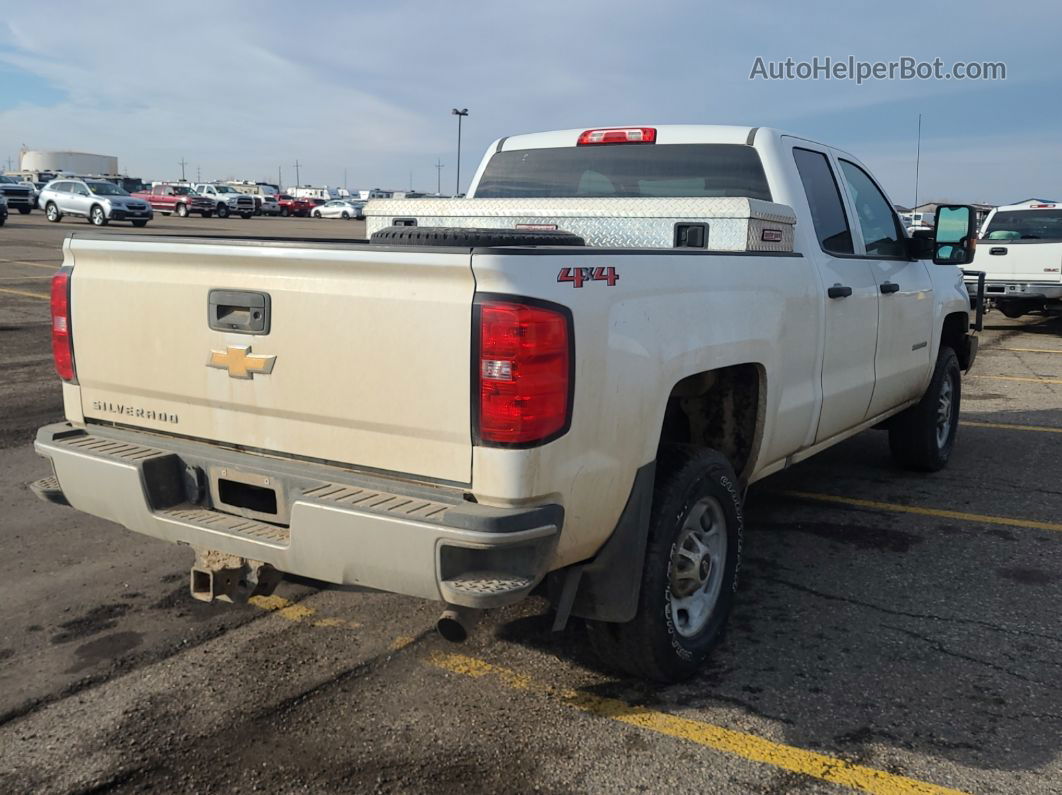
{"x": 240, "y": 362}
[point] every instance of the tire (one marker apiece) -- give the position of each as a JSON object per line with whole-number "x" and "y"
{"x": 315, "y": 214}
{"x": 97, "y": 217}
{"x": 346, "y": 216}
{"x": 471, "y": 237}
{"x": 922, "y": 437}
{"x": 675, "y": 629}
{"x": 182, "y": 210}
{"x": 51, "y": 212}
{"x": 141, "y": 222}
{"x": 245, "y": 216}
{"x": 284, "y": 212}
{"x": 223, "y": 211}
{"x": 25, "y": 210}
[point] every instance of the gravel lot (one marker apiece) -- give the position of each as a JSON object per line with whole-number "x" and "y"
{"x": 895, "y": 633}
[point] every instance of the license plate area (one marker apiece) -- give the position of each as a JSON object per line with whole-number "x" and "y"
{"x": 248, "y": 494}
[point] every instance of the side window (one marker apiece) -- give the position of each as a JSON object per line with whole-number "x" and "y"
{"x": 824, "y": 199}
{"x": 877, "y": 220}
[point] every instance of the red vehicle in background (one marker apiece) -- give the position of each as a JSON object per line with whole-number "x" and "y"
{"x": 180, "y": 199}
{"x": 294, "y": 205}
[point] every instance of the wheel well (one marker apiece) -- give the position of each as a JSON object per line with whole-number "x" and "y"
{"x": 721, "y": 409}
{"x": 953, "y": 335}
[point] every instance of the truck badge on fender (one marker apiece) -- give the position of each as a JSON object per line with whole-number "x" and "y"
{"x": 578, "y": 276}
{"x": 240, "y": 362}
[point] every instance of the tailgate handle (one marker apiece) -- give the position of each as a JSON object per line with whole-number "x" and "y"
{"x": 238, "y": 311}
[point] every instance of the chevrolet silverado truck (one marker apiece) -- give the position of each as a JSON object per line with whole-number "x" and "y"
{"x": 563, "y": 383}
{"x": 1020, "y": 253}
{"x": 180, "y": 199}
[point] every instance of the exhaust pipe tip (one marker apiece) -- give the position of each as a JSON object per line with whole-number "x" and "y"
{"x": 456, "y": 623}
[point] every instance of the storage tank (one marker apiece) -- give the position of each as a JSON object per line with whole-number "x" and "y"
{"x": 68, "y": 162}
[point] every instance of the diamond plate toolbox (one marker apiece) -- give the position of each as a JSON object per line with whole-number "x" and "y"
{"x": 734, "y": 224}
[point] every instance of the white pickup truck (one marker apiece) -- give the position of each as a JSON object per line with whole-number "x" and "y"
{"x": 229, "y": 200}
{"x": 564, "y": 382}
{"x": 1020, "y": 253}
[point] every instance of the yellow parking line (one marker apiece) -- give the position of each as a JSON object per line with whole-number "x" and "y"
{"x": 1010, "y": 427}
{"x": 938, "y": 512}
{"x": 1019, "y": 378}
{"x": 1025, "y": 350}
{"x": 25, "y": 294}
{"x": 298, "y": 612}
{"x": 748, "y": 746}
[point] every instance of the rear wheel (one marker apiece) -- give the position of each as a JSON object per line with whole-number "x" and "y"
{"x": 346, "y": 216}
{"x": 97, "y": 217}
{"x": 1012, "y": 309}
{"x": 223, "y": 211}
{"x": 182, "y": 210}
{"x": 285, "y": 212}
{"x": 51, "y": 212}
{"x": 923, "y": 436}
{"x": 690, "y": 571}
{"x": 315, "y": 214}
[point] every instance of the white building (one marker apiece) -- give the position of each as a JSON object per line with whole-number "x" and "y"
{"x": 67, "y": 162}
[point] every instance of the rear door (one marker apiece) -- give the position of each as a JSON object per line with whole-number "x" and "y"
{"x": 905, "y": 306}
{"x": 850, "y": 292}
{"x": 364, "y": 359}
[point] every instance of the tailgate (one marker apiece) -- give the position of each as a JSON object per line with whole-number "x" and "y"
{"x": 1019, "y": 261}
{"x": 372, "y": 348}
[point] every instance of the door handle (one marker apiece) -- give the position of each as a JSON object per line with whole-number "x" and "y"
{"x": 839, "y": 291}
{"x": 997, "y": 251}
{"x": 887, "y": 288}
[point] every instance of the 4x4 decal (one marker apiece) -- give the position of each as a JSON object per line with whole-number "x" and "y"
{"x": 579, "y": 276}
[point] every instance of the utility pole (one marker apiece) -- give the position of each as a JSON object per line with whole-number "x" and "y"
{"x": 438, "y": 177}
{"x": 411, "y": 181}
{"x": 182, "y": 163}
{"x": 9, "y": 163}
{"x": 298, "y": 165}
{"x": 460, "y": 114}
{"x": 280, "y": 180}
{"x": 918, "y": 158}
{"x": 345, "y": 186}
{"x": 198, "y": 174}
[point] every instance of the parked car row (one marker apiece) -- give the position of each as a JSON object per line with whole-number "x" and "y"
{"x": 101, "y": 201}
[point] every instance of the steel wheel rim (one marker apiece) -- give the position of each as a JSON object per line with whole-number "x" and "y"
{"x": 945, "y": 409}
{"x": 698, "y": 563}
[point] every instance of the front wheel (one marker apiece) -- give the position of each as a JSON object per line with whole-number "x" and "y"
{"x": 182, "y": 210}
{"x": 922, "y": 437}
{"x": 690, "y": 571}
{"x": 97, "y": 217}
{"x": 223, "y": 211}
{"x": 315, "y": 214}
{"x": 51, "y": 212}
{"x": 346, "y": 216}
{"x": 284, "y": 213}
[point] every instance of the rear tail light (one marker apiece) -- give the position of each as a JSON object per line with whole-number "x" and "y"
{"x": 523, "y": 367}
{"x": 62, "y": 341}
{"x": 619, "y": 135}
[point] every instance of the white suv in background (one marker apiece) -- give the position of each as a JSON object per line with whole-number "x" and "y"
{"x": 97, "y": 200}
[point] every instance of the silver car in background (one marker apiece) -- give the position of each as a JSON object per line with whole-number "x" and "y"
{"x": 95, "y": 199}
{"x": 339, "y": 208}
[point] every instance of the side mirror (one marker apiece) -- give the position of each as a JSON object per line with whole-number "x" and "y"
{"x": 956, "y": 235}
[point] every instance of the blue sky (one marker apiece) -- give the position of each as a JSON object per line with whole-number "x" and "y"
{"x": 240, "y": 88}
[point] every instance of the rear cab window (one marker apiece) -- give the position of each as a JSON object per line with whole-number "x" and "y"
{"x": 625, "y": 171}
{"x": 824, "y": 201}
{"x": 1025, "y": 225}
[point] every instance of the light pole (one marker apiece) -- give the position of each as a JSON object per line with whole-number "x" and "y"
{"x": 460, "y": 114}
{"x": 438, "y": 177}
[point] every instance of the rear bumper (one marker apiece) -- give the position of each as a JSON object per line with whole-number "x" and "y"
{"x": 1019, "y": 291}
{"x": 331, "y": 524}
